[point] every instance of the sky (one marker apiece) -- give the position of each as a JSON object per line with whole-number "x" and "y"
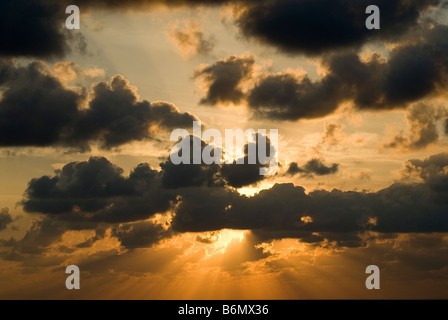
{"x": 86, "y": 176}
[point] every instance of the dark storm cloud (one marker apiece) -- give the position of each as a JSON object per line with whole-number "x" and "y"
{"x": 88, "y": 195}
{"x": 129, "y": 4}
{"x": 286, "y": 211}
{"x": 433, "y": 171}
{"x": 46, "y": 231}
{"x": 190, "y": 175}
{"x": 446, "y": 126}
{"x": 97, "y": 191}
{"x": 5, "y": 218}
{"x": 96, "y": 195}
{"x": 31, "y": 28}
{"x": 318, "y": 26}
{"x": 411, "y": 73}
{"x": 317, "y": 167}
{"x": 224, "y": 79}
{"x": 294, "y": 169}
{"x": 36, "y": 27}
{"x": 285, "y": 97}
{"x": 313, "y": 167}
{"x": 41, "y": 234}
{"x": 422, "y": 122}
{"x": 336, "y": 215}
{"x": 216, "y": 175}
{"x": 8, "y": 243}
{"x": 116, "y": 117}
{"x": 203, "y": 209}
{"x": 36, "y": 109}
{"x": 141, "y": 235}
{"x": 345, "y": 239}
{"x": 86, "y": 185}
{"x": 241, "y": 175}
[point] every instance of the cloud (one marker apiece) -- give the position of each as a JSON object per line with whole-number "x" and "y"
{"x": 294, "y": 169}
{"x": 238, "y": 174}
{"x": 115, "y": 116}
{"x": 37, "y": 109}
{"x": 315, "y": 27}
{"x": 203, "y": 209}
{"x": 95, "y": 195}
{"x": 5, "y": 218}
{"x": 333, "y": 134}
{"x": 192, "y": 41}
{"x": 433, "y": 171}
{"x": 285, "y": 96}
{"x": 141, "y": 234}
{"x": 31, "y": 28}
{"x": 36, "y": 28}
{"x": 97, "y": 191}
{"x": 238, "y": 253}
{"x": 413, "y": 72}
{"x": 339, "y": 216}
{"x": 41, "y": 234}
{"x": 241, "y": 175}
{"x": 70, "y": 71}
{"x": 208, "y": 238}
{"x": 138, "y": 4}
{"x": 8, "y": 243}
{"x": 224, "y": 79}
{"x": 313, "y": 167}
{"x": 190, "y": 175}
{"x": 422, "y": 122}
